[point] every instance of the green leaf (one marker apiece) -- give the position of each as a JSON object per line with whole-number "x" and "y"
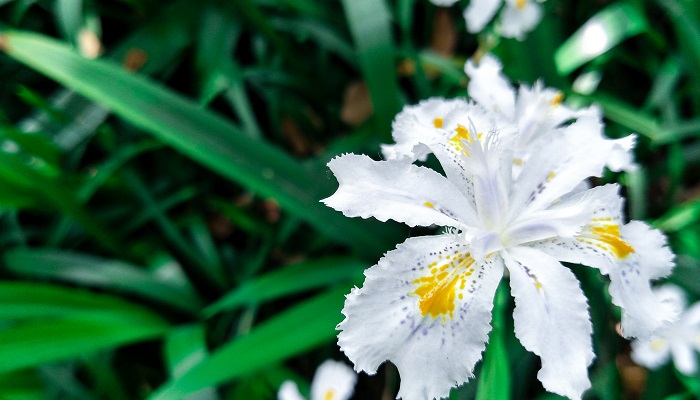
{"x": 40, "y": 341}
{"x": 494, "y": 380}
{"x": 599, "y": 34}
{"x": 291, "y": 279}
{"x": 54, "y": 323}
{"x": 185, "y": 348}
{"x": 201, "y": 135}
{"x": 92, "y": 271}
{"x": 285, "y": 335}
{"x": 680, "y": 217}
{"x": 370, "y": 25}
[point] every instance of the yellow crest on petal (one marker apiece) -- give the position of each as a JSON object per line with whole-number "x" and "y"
{"x": 437, "y": 291}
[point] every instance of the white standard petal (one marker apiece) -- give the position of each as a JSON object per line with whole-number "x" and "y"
{"x": 489, "y": 87}
{"x": 418, "y": 125}
{"x": 551, "y": 319}
{"x": 491, "y": 188}
{"x": 396, "y": 190}
{"x": 538, "y": 110}
{"x": 651, "y": 353}
{"x": 520, "y": 17}
{"x": 333, "y": 381}
{"x": 479, "y": 12}
{"x": 426, "y": 307}
{"x": 289, "y": 391}
{"x": 562, "y": 161}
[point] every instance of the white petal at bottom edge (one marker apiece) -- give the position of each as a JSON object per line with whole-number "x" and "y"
{"x": 384, "y": 320}
{"x": 479, "y": 12}
{"x": 333, "y": 379}
{"x": 684, "y": 358}
{"x": 289, "y": 391}
{"x": 551, "y": 319}
{"x": 515, "y": 23}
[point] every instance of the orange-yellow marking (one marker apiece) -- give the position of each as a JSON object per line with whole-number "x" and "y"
{"x": 457, "y": 140}
{"x": 556, "y": 100}
{"x": 520, "y": 4}
{"x": 610, "y": 235}
{"x": 429, "y": 204}
{"x": 330, "y": 395}
{"x": 550, "y": 176}
{"x": 437, "y": 291}
{"x": 437, "y": 122}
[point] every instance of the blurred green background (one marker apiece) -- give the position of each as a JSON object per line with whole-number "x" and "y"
{"x": 162, "y": 162}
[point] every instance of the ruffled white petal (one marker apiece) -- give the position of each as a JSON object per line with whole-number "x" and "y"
{"x": 289, "y": 391}
{"x": 642, "y": 312}
{"x": 551, "y": 319}
{"x": 396, "y": 190}
{"x": 651, "y": 247}
{"x": 489, "y": 87}
{"x": 516, "y": 21}
{"x": 417, "y": 126}
{"x": 620, "y": 156}
{"x": 651, "y": 353}
{"x": 402, "y": 314}
{"x": 333, "y": 380}
{"x": 630, "y": 254}
{"x": 479, "y": 12}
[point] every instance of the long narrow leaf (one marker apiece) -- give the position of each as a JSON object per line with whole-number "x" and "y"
{"x": 199, "y": 134}
{"x": 96, "y": 272}
{"x": 370, "y": 25}
{"x": 289, "y": 333}
{"x": 289, "y": 280}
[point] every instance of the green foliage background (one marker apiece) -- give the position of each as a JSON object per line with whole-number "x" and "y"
{"x": 161, "y": 234}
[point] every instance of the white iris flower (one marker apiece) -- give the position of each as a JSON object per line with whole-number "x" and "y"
{"x": 678, "y": 341}
{"x": 426, "y": 306}
{"x": 333, "y": 380}
{"x": 517, "y": 18}
{"x": 529, "y": 114}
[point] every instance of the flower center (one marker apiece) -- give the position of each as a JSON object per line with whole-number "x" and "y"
{"x": 438, "y": 289}
{"x": 520, "y": 4}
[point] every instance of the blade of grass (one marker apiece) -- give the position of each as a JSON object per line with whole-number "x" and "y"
{"x": 303, "y": 327}
{"x": 291, "y": 279}
{"x": 494, "y": 380}
{"x": 92, "y": 271}
{"x": 602, "y": 32}
{"x": 201, "y": 135}
{"x": 185, "y": 347}
{"x": 370, "y": 25}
